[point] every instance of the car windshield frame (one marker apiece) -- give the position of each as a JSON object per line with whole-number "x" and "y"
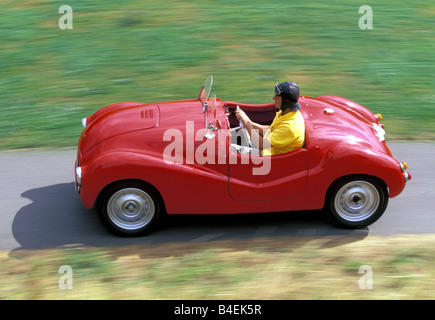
{"x": 205, "y": 91}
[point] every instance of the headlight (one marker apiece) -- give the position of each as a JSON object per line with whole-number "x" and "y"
{"x": 379, "y": 131}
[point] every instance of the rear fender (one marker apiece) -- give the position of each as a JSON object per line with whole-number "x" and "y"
{"x": 355, "y": 107}
{"x": 344, "y": 160}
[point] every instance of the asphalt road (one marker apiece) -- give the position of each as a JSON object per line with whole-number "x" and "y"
{"x": 40, "y": 209}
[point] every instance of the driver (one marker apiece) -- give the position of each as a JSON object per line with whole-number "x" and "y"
{"x": 287, "y": 131}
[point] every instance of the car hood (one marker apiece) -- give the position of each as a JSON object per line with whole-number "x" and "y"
{"x": 129, "y": 117}
{"x": 116, "y": 120}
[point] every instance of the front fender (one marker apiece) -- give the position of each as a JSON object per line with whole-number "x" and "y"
{"x": 177, "y": 183}
{"x": 107, "y": 168}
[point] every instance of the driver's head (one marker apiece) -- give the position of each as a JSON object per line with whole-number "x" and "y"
{"x": 289, "y": 93}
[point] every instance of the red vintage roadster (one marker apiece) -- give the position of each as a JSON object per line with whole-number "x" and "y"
{"x": 138, "y": 161}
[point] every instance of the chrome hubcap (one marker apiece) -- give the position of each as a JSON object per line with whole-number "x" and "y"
{"x": 130, "y": 208}
{"x": 357, "y": 201}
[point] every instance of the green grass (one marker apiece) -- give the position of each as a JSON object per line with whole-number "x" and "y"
{"x": 151, "y": 51}
{"x": 280, "y": 268}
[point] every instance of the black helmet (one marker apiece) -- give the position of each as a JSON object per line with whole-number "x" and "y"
{"x": 289, "y": 91}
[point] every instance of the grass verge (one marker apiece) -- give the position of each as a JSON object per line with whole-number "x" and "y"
{"x": 264, "y": 268}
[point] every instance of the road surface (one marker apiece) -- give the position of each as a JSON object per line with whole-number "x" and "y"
{"x": 40, "y": 209}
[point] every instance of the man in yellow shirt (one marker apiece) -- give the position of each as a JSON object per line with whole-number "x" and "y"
{"x": 287, "y": 131}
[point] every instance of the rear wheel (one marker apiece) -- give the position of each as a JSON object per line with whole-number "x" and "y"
{"x": 130, "y": 208}
{"x": 356, "y": 202}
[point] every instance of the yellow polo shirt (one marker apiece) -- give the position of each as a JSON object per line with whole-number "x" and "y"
{"x": 285, "y": 134}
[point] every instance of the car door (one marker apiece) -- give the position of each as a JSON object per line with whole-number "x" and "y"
{"x": 259, "y": 178}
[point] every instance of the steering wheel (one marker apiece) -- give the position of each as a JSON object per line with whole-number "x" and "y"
{"x": 245, "y": 132}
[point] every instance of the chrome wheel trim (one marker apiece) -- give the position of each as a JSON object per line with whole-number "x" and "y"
{"x": 130, "y": 209}
{"x": 357, "y": 201}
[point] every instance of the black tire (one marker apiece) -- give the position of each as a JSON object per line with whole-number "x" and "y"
{"x": 356, "y": 202}
{"x": 130, "y": 208}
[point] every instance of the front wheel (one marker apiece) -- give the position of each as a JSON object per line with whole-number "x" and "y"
{"x": 356, "y": 202}
{"x": 130, "y": 209}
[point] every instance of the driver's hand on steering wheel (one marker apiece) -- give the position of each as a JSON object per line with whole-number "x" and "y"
{"x": 241, "y": 116}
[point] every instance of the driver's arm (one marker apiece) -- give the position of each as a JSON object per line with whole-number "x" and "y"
{"x": 255, "y": 130}
{"x": 241, "y": 115}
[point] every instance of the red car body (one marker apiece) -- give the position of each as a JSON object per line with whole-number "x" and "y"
{"x": 163, "y": 145}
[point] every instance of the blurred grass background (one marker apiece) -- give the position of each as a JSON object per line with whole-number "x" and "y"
{"x": 289, "y": 268}
{"x": 149, "y": 51}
